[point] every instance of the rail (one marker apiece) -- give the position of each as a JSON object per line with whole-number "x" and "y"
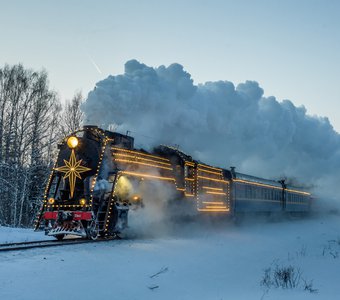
{"x": 47, "y": 243}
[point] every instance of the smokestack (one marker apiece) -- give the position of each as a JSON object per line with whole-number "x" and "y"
{"x": 232, "y": 171}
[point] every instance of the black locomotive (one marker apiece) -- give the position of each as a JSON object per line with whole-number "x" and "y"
{"x": 99, "y": 176}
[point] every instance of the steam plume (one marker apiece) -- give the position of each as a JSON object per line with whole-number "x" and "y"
{"x": 218, "y": 123}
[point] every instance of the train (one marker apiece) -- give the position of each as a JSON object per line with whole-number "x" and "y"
{"x": 99, "y": 177}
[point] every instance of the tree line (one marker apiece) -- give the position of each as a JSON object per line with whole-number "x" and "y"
{"x": 32, "y": 121}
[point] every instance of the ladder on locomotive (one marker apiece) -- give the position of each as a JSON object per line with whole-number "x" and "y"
{"x": 104, "y": 210}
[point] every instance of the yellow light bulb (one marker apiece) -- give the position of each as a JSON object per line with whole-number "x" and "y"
{"x": 82, "y": 201}
{"x": 72, "y": 142}
{"x": 51, "y": 201}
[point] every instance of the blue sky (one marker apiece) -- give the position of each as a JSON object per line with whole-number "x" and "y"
{"x": 292, "y": 48}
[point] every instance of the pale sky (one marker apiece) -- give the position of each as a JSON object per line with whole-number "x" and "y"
{"x": 291, "y": 47}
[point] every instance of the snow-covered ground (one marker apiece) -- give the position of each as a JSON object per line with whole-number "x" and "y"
{"x": 13, "y": 235}
{"x": 204, "y": 261}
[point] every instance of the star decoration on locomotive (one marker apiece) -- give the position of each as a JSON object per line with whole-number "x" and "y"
{"x": 72, "y": 170}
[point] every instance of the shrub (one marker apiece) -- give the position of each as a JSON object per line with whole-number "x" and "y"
{"x": 286, "y": 277}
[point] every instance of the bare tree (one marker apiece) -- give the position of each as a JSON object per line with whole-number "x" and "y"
{"x": 72, "y": 117}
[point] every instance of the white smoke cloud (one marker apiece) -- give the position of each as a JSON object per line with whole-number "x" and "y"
{"x": 218, "y": 123}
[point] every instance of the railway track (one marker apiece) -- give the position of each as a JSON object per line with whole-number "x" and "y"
{"x": 47, "y": 243}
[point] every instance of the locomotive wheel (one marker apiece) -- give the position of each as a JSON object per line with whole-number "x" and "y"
{"x": 59, "y": 237}
{"x": 93, "y": 230}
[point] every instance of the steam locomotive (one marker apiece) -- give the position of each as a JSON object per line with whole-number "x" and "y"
{"x": 99, "y": 177}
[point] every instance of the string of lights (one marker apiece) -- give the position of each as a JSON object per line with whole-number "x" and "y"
{"x": 141, "y": 163}
{"x": 136, "y": 157}
{"x": 139, "y": 153}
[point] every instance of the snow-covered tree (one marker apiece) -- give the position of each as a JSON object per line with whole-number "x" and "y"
{"x": 28, "y": 112}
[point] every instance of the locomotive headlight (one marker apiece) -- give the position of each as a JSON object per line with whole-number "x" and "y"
{"x": 72, "y": 142}
{"x": 51, "y": 201}
{"x": 82, "y": 201}
{"x": 135, "y": 198}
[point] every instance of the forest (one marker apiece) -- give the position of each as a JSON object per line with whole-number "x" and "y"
{"x": 32, "y": 121}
